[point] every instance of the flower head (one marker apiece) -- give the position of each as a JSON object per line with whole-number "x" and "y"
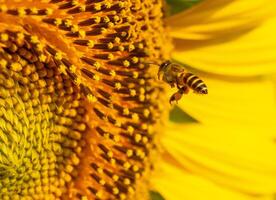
{"x": 79, "y": 106}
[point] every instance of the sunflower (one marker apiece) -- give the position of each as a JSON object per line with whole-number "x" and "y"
{"x": 83, "y": 115}
{"x": 79, "y": 107}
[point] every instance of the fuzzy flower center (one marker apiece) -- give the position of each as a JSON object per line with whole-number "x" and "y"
{"x": 79, "y": 107}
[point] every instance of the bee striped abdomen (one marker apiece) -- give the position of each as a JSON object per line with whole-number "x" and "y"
{"x": 190, "y": 79}
{"x": 195, "y": 83}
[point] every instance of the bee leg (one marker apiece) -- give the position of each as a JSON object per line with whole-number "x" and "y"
{"x": 175, "y": 97}
{"x": 172, "y": 84}
{"x": 178, "y": 95}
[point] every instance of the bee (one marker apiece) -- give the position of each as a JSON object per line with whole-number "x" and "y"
{"x": 177, "y": 76}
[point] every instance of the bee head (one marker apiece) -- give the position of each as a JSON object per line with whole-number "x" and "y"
{"x": 165, "y": 64}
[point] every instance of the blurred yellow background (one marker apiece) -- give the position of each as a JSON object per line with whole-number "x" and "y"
{"x": 222, "y": 145}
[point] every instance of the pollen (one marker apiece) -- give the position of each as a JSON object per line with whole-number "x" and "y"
{"x": 34, "y": 10}
{"x": 58, "y": 56}
{"x": 42, "y": 58}
{"x": 91, "y": 98}
{"x": 4, "y": 37}
{"x": 79, "y": 108}
{"x": 3, "y": 8}
{"x": 96, "y": 77}
{"x": 16, "y": 66}
{"x": 118, "y": 86}
{"x": 90, "y": 44}
{"x": 3, "y": 63}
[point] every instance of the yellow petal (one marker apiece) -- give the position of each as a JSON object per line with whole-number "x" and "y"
{"x": 240, "y": 158}
{"x": 176, "y": 184}
{"x": 252, "y": 54}
{"x": 231, "y": 101}
{"x": 211, "y": 18}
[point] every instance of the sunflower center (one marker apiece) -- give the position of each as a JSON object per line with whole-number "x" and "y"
{"x": 80, "y": 107}
{"x": 41, "y": 122}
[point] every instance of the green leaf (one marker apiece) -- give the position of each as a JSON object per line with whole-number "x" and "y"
{"x": 177, "y": 115}
{"x": 156, "y": 196}
{"x": 176, "y": 6}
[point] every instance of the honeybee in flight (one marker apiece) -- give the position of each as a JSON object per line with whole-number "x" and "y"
{"x": 176, "y": 75}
